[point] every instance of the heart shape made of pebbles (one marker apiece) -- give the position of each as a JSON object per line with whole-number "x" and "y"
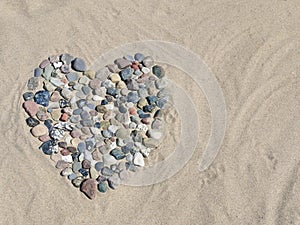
{"x": 97, "y": 126}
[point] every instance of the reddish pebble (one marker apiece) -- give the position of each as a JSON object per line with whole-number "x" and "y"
{"x": 89, "y": 188}
{"x": 44, "y": 64}
{"x": 146, "y": 120}
{"x": 31, "y": 108}
{"x": 55, "y": 96}
{"x": 86, "y": 164}
{"x": 65, "y": 152}
{"x": 64, "y": 117}
{"x": 72, "y": 149}
{"x": 64, "y": 80}
{"x": 75, "y": 133}
{"x": 93, "y": 113}
{"x": 44, "y": 138}
{"x": 61, "y": 164}
{"x": 135, "y": 67}
{"x": 132, "y": 111}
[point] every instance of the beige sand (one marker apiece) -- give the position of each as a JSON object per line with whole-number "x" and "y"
{"x": 253, "y": 49}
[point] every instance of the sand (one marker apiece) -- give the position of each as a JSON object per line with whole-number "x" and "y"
{"x": 252, "y": 47}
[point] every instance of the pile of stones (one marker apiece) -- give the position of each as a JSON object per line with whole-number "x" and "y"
{"x": 99, "y": 126}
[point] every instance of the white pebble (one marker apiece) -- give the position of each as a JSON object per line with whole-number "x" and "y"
{"x": 142, "y": 127}
{"x": 146, "y": 152}
{"x": 57, "y": 64}
{"x": 145, "y": 70}
{"x": 109, "y": 159}
{"x": 129, "y": 104}
{"x": 138, "y": 159}
{"x": 97, "y": 98}
{"x": 110, "y": 106}
{"x": 84, "y": 80}
{"x": 67, "y": 158}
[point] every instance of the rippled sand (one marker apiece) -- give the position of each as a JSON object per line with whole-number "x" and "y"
{"x": 253, "y": 49}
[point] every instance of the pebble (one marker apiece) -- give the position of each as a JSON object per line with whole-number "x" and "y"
{"x": 66, "y": 58}
{"x": 89, "y": 188}
{"x": 133, "y": 97}
{"x": 148, "y": 61}
{"x": 60, "y": 164}
{"x": 28, "y": 96}
{"x": 102, "y": 187}
{"x": 42, "y": 114}
{"x": 161, "y": 83}
{"x": 37, "y": 72}
{"x": 72, "y": 176}
{"x": 84, "y": 80}
{"x": 42, "y": 98}
{"x": 146, "y": 70}
{"x": 122, "y": 133}
{"x": 115, "y": 78}
{"x": 122, "y": 63}
{"x": 138, "y": 159}
{"x": 48, "y": 147}
{"x": 77, "y": 181}
{"x": 139, "y": 57}
{"x": 66, "y": 93}
{"x": 32, "y": 122}
{"x": 78, "y": 64}
{"x": 90, "y": 74}
{"x": 72, "y": 76}
{"x": 109, "y": 159}
{"x": 118, "y": 154}
{"x": 39, "y": 130}
{"x": 158, "y": 71}
{"x": 107, "y": 171}
{"x": 33, "y": 83}
{"x": 44, "y": 63}
{"x": 99, "y": 166}
{"x": 66, "y": 172}
{"x": 126, "y": 73}
{"x": 114, "y": 181}
{"x": 57, "y": 82}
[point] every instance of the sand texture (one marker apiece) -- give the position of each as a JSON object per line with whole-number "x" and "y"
{"x": 252, "y": 47}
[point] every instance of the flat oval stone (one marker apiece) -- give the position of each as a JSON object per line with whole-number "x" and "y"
{"x": 32, "y": 122}
{"x": 48, "y": 147}
{"x": 39, "y": 130}
{"x": 78, "y": 64}
{"x": 44, "y": 63}
{"x": 107, "y": 171}
{"x": 99, "y": 166}
{"x": 158, "y": 71}
{"x": 148, "y": 61}
{"x": 102, "y": 187}
{"x": 38, "y": 72}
